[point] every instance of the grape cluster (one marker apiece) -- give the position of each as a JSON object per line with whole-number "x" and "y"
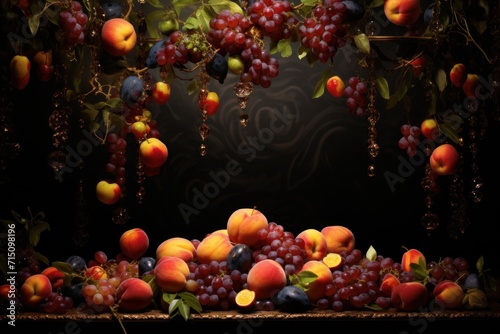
{"x": 281, "y": 246}
{"x": 74, "y": 23}
{"x": 272, "y": 16}
{"x": 355, "y": 92}
{"x": 324, "y": 32}
{"x": 56, "y": 303}
{"x": 28, "y": 264}
{"x": 116, "y": 146}
{"x": 449, "y": 268}
{"x": 410, "y": 139}
{"x": 227, "y": 31}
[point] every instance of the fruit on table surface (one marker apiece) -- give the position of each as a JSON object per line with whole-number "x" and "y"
{"x": 245, "y": 299}
{"x": 335, "y": 85}
{"x": 171, "y": 274}
{"x": 389, "y": 281}
{"x": 55, "y": 276}
{"x": 153, "y": 152}
{"x": 34, "y": 290}
{"x": 315, "y": 244}
{"x": 215, "y": 246}
{"x": 178, "y": 247}
{"x": 292, "y": 299}
{"x": 134, "y": 243}
{"x": 240, "y": 258}
{"x": 118, "y": 37}
{"x": 146, "y": 265}
{"x": 316, "y": 289}
{"x": 338, "y": 238}
{"x": 412, "y": 256}
{"x": 244, "y": 224}
{"x": 20, "y": 68}
{"x": 409, "y": 296}
{"x": 448, "y": 295}
{"x": 266, "y": 278}
{"x": 445, "y": 159}
{"x": 108, "y": 192}
{"x": 133, "y": 295}
{"x": 402, "y": 12}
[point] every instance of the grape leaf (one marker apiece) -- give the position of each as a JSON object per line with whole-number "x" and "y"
{"x": 362, "y": 43}
{"x": 371, "y": 253}
{"x": 319, "y": 90}
{"x": 285, "y": 48}
{"x": 155, "y": 3}
{"x": 440, "y": 78}
{"x": 382, "y": 87}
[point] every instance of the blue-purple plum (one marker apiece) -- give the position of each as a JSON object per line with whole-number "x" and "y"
{"x": 146, "y": 264}
{"x": 131, "y": 90}
{"x": 239, "y": 258}
{"x": 354, "y": 11}
{"x": 292, "y": 299}
{"x": 111, "y": 10}
{"x": 76, "y": 262}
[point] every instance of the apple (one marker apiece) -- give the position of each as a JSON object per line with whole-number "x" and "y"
{"x": 211, "y": 104}
{"x": 402, "y": 12}
{"x": 429, "y": 128}
{"x": 161, "y": 92}
{"x": 244, "y": 224}
{"x": 20, "y": 68}
{"x": 315, "y": 244}
{"x": 153, "y": 152}
{"x": 445, "y": 159}
{"x": 139, "y": 129}
{"x": 134, "y": 243}
{"x": 118, "y": 37}
{"x": 458, "y": 75}
{"x": 335, "y": 86}
{"x": 266, "y": 278}
{"x": 338, "y": 238}
{"x": 108, "y": 192}
{"x": 178, "y": 247}
{"x": 471, "y": 85}
{"x": 34, "y": 290}
{"x": 448, "y": 294}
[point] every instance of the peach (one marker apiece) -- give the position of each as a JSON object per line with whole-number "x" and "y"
{"x": 20, "y": 68}
{"x": 177, "y": 246}
{"x": 34, "y": 290}
{"x": 412, "y": 256}
{"x": 429, "y": 128}
{"x": 161, "y": 92}
{"x": 266, "y": 278}
{"x": 389, "y": 282}
{"x": 96, "y": 272}
{"x": 210, "y": 104}
{"x": 471, "y": 85}
{"x": 315, "y": 244}
{"x": 418, "y": 66}
{"x": 55, "y": 276}
{"x": 409, "y": 296}
{"x": 153, "y": 152}
{"x": 134, "y": 243}
{"x": 171, "y": 274}
{"x": 215, "y": 246}
{"x": 118, "y": 37}
{"x": 140, "y": 129}
{"x": 244, "y": 224}
{"x": 316, "y": 289}
{"x": 333, "y": 261}
{"x": 43, "y": 57}
{"x": 108, "y": 192}
{"x": 338, "y": 238}
{"x": 448, "y": 294}
{"x": 445, "y": 159}
{"x": 402, "y": 12}
{"x": 133, "y": 295}
{"x": 335, "y": 86}
{"x": 458, "y": 75}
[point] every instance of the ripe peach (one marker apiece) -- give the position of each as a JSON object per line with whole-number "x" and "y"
{"x": 55, "y": 276}
{"x": 177, "y": 246}
{"x": 43, "y": 57}
{"x": 139, "y": 129}
{"x": 471, "y": 85}
{"x": 133, "y": 295}
{"x": 108, "y": 192}
{"x": 243, "y": 225}
{"x": 448, "y": 294}
{"x": 118, "y": 37}
{"x": 215, "y": 246}
{"x": 445, "y": 159}
{"x": 458, "y": 75}
{"x": 161, "y": 92}
{"x": 210, "y": 104}
{"x": 171, "y": 274}
{"x": 134, "y": 243}
{"x": 315, "y": 244}
{"x": 412, "y": 256}
{"x": 418, "y": 66}
{"x": 429, "y": 128}
{"x": 335, "y": 86}
{"x": 409, "y": 296}
{"x": 338, "y": 238}
{"x": 20, "y": 68}
{"x": 96, "y": 272}
{"x": 389, "y": 282}
{"x": 266, "y": 278}
{"x": 34, "y": 290}
{"x": 153, "y": 152}
{"x": 316, "y": 289}
{"x": 402, "y": 12}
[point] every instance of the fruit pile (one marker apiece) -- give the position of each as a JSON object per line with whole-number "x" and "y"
{"x": 251, "y": 265}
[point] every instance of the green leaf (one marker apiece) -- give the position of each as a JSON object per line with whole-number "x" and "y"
{"x": 397, "y": 96}
{"x": 169, "y": 297}
{"x": 204, "y": 15}
{"x": 285, "y": 47}
{"x": 302, "y": 51}
{"x": 475, "y": 299}
{"x": 173, "y": 305}
{"x": 441, "y": 80}
{"x": 41, "y": 258}
{"x": 34, "y": 23}
{"x": 480, "y": 264}
{"x": 319, "y": 89}
{"x": 191, "y": 23}
{"x": 450, "y": 130}
{"x": 65, "y": 267}
{"x": 362, "y": 43}
{"x": 155, "y": 3}
{"x": 191, "y": 300}
{"x": 35, "y": 231}
{"x": 491, "y": 282}
{"x": 382, "y": 87}
{"x": 376, "y": 3}
{"x": 371, "y": 254}
{"x": 310, "y": 3}
{"x": 419, "y": 271}
{"x": 193, "y": 86}
{"x": 307, "y": 276}
{"x": 152, "y": 20}
{"x": 184, "y": 310}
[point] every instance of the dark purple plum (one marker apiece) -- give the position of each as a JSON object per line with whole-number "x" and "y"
{"x": 131, "y": 90}
{"x": 111, "y": 10}
{"x": 76, "y": 262}
{"x": 240, "y": 258}
{"x": 146, "y": 264}
{"x": 292, "y": 299}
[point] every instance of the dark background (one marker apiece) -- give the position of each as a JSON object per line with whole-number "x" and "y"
{"x": 310, "y": 173}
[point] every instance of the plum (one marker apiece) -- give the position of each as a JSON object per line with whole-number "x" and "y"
{"x": 151, "y": 61}
{"x": 354, "y": 11}
{"x": 146, "y": 264}
{"x": 111, "y": 10}
{"x": 75, "y": 291}
{"x": 472, "y": 281}
{"x": 428, "y": 14}
{"x": 292, "y": 299}
{"x": 239, "y": 258}
{"x": 131, "y": 90}
{"x": 218, "y": 67}
{"x": 76, "y": 262}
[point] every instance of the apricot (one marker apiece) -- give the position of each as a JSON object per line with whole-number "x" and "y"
{"x": 171, "y": 274}
{"x": 266, "y": 278}
{"x": 445, "y": 160}
{"x": 214, "y": 246}
{"x": 177, "y": 246}
{"x": 244, "y": 224}
{"x": 458, "y": 75}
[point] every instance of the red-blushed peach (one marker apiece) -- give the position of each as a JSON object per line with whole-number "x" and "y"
{"x": 34, "y": 290}
{"x": 171, "y": 274}
{"x": 161, "y": 92}
{"x": 418, "y": 66}
{"x": 448, "y": 295}
{"x": 20, "y": 69}
{"x": 429, "y": 128}
{"x": 335, "y": 86}
{"x": 314, "y": 244}
{"x": 338, "y": 238}
{"x": 402, "y": 12}
{"x": 412, "y": 256}
{"x": 96, "y": 272}
{"x": 266, "y": 278}
{"x": 458, "y": 75}
{"x": 108, "y": 192}
{"x": 210, "y": 104}
{"x": 471, "y": 85}
{"x": 177, "y": 246}
{"x": 221, "y": 231}
{"x": 140, "y": 129}
{"x": 409, "y": 296}
{"x": 445, "y": 160}
{"x": 134, "y": 243}
{"x": 133, "y": 295}
{"x": 389, "y": 282}
{"x": 153, "y": 152}
{"x": 244, "y": 224}
{"x": 316, "y": 289}
{"x": 55, "y": 276}
{"x": 215, "y": 246}
{"x": 118, "y": 37}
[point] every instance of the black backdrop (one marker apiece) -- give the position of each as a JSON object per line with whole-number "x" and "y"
{"x": 301, "y": 161}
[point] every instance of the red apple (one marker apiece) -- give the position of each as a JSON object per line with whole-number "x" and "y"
{"x": 429, "y": 128}
{"x": 153, "y": 152}
{"x": 118, "y": 37}
{"x": 418, "y": 66}
{"x": 161, "y": 92}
